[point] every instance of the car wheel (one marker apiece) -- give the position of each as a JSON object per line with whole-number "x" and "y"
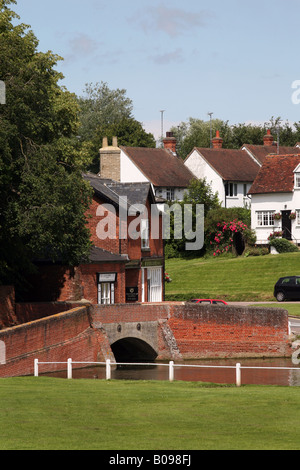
{"x": 280, "y": 296}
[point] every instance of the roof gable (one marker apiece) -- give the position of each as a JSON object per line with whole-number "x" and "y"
{"x": 230, "y": 164}
{"x": 160, "y": 166}
{"x": 276, "y": 174}
{"x": 260, "y": 152}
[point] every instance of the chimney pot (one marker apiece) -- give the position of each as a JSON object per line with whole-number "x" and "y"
{"x": 170, "y": 142}
{"x": 217, "y": 142}
{"x": 268, "y": 138}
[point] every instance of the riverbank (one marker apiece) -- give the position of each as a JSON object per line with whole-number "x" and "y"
{"x": 142, "y": 415}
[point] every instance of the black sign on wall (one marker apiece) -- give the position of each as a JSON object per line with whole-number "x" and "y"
{"x": 132, "y": 294}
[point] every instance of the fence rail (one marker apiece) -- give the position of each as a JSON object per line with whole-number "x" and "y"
{"x": 108, "y": 364}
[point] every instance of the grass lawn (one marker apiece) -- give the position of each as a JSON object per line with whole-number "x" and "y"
{"x": 232, "y": 279}
{"x": 57, "y": 414}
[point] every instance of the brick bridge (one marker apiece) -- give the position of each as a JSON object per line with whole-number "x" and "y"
{"x": 140, "y": 332}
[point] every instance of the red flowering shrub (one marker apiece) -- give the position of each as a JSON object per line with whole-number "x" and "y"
{"x": 222, "y": 239}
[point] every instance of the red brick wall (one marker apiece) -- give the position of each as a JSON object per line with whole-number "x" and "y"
{"x": 59, "y": 283}
{"x": 56, "y": 338}
{"x": 199, "y": 331}
{"x": 7, "y": 307}
{"x": 229, "y": 331}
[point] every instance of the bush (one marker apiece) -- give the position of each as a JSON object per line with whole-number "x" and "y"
{"x": 283, "y": 246}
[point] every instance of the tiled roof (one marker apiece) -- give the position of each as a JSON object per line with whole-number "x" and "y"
{"x": 260, "y": 152}
{"x": 99, "y": 255}
{"x": 232, "y": 165}
{"x": 114, "y": 192}
{"x": 276, "y": 174}
{"x": 161, "y": 167}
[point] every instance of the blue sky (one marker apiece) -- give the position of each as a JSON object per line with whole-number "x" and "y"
{"x": 235, "y": 58}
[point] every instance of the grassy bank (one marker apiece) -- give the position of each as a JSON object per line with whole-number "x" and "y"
{"x": 46, "y": 413}
{"x": 233, "y": 279}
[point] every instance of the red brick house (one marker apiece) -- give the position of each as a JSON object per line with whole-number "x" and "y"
{"x": 126, "y": 262}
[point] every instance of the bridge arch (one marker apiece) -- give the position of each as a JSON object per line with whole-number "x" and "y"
{"x": 133, "y": 350}
{"x": 133, "y": 341}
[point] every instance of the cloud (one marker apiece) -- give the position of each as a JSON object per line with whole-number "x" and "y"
{"x": 171, "y": 21}
{"x": 168, "y": 57}
{"x": 81, "y": 45}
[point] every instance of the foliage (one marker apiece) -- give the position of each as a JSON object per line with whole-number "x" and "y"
{"x": 198, "y": 192}
{"x": 222, "y": 224}
{"x": 43, "y": 197}
{"x": 107, "y": 113}
{"x": 282, "y": 245}
{"x": 196, "y": 133}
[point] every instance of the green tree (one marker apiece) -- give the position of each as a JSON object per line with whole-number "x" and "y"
{"x": 107, "y": 113}
{"x": 43, "y": 197}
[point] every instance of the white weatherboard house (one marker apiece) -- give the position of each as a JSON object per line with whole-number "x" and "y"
{"x": 161, "y": 167}
{"x": 275, "y": 196}
{"x": 229, "y": 172}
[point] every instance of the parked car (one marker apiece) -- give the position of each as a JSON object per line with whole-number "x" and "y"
{"x": 208, "y": 301}
{"x": 287, "y": 288}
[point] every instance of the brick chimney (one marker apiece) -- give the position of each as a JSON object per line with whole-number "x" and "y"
{"x": 170, "y": 142}
{"x": 217, "y": 141}
{"x": 110, "y": 160}
{"x": 268, "y": 138}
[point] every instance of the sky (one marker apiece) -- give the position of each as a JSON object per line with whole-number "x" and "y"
{"x": 236, "y": 59}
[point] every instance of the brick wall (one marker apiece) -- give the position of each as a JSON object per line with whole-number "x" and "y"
{"x": 199, "y": 332}
{"x": 55, "y": 338}
{"x": 7, "y": 307}
{"x": 210, "y": 331}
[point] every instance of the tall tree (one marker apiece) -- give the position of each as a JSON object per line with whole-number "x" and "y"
{"x": 106, "y": 113}
{"x": 43, "y": 197}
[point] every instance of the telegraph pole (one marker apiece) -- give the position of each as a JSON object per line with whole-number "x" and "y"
{"x": 210, "y": 115}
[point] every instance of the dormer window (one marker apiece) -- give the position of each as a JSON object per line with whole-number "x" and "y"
{"x": 297, "y": 180}
{"x": 297, "y": 177}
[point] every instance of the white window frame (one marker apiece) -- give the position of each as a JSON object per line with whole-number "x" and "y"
{"x": 231, "y": 189}
{"x": 145, "y": 234}
{"x": 298, "y": 216}
{"x": 170, "y": 194}
{"x": 265, "y": 218}
{"x": 297, "y": 181}
{"x": 106, "y": 293}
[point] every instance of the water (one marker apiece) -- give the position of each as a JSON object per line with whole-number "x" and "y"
{"x": 160, "y": 371}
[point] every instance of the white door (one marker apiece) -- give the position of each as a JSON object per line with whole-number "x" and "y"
{"x": 154, "y": 284}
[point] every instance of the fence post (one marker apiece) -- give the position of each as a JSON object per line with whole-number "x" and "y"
{"x": 238, "y": 374}
{"x": 69, "y": 368}
{"x": 108, "y": 369}
{"x": 171, "y": 371}
{"x": 36, "y": 368}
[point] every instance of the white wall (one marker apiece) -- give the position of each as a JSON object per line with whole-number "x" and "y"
{"x": 201, "y": 169}
{"x": 276, "y": 202}
{"x": 130, "y": 173}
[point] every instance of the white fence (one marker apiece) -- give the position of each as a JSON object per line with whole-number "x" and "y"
{"x": 108, "y": 364}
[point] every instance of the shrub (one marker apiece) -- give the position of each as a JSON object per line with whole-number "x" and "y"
{"x": 282, "y": 245}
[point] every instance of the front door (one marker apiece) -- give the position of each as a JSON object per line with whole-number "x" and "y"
{"x": 286, "y": 225}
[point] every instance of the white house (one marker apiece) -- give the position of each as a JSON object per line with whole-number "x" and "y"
{"x": 275, "y": 196}
{"x": 161, "y": 167}
{"x": 229, "y": 172}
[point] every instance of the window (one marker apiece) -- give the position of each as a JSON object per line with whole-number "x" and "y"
{"x": 265, "y": 218}
{"x": 297, "y": 180}
{"x": 106, "y": 293}
{"x": 245, "y": 190}
{"x": 106, "y": 288}
{"x": 298, "y": 216}
{"x": 145, "y": 233}
{"x": 170, "y": 194}
{"x": 231, "y": 189}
